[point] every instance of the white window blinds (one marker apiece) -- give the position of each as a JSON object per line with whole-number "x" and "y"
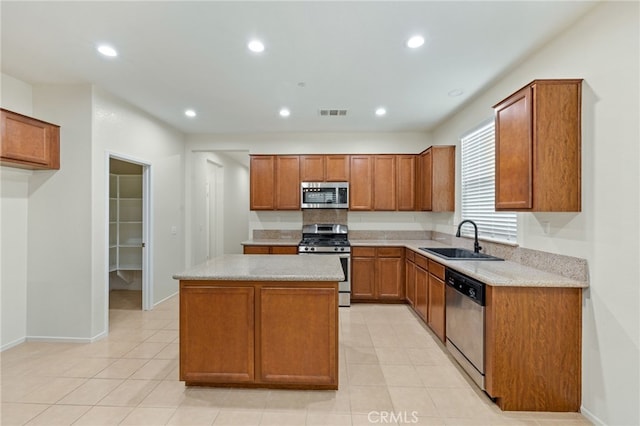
{"x": 478, "y": 188}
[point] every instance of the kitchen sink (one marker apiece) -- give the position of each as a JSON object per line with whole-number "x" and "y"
{"x": 458, "y": 254}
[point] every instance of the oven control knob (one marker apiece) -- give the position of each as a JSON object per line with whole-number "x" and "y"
{"x": 472, "y": 293}
{"x": 312, "y": 249}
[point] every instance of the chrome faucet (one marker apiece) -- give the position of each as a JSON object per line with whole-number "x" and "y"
{"x": 476, "y": 245}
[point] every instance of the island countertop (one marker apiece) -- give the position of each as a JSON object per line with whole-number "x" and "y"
{"x": 240, "y": 267}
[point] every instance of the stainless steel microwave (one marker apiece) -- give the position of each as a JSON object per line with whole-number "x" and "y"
{"x": 324, "y": 195}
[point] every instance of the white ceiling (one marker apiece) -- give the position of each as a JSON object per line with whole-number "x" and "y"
{"x": 348, "y": 55}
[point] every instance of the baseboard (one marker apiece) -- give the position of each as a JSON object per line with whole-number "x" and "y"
{"x": 51, "y": 339}
{"x": 12, "y": 344}
{"x": 591, "y": 417}
{"x": 165, "y": 299}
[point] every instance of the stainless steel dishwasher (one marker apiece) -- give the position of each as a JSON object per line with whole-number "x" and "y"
{"x": 465, "y": 323}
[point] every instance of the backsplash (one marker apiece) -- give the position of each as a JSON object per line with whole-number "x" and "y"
{"x": 390, "y": 235}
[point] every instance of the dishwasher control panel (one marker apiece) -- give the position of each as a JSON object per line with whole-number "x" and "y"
{"x": 469, "y": 287}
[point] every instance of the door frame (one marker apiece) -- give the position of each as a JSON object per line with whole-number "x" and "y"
{"x": 147, "y": 227}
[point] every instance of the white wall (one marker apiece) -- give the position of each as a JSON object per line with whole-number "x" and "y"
{"x": 54, "y": 283}
{"x": 119, "y": 128}
{"x": 14, "y": 192}
{"x": 324, "y": 143}
{"x": 59, "y": 225}
{"x": 233, "y": 196}
{"x": 603, "y": 48}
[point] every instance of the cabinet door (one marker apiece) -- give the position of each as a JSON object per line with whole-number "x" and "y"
{"x": 336, "y": 168}
{"x": 410, "y": 282}
{"x": 514, "y": 151}
{"x": 389, "y": 276}
{"x": 301, "y": 318}
{"x": 426, "y": 170}
{"x": 256, "y": 250}
{"x": 361, "y": 183}
{"x": 363, "y": 278}
{"x": 406, "y": 182}
{"x": 213, "y": 354}
{"x": 28, "y": 143}
{"x": 287, "y": 182}
{"x": 384, "y": 183}
{"x": 436, "y": 310}
{"x": 420, "y": 307}
{"x": 284, "y": 249}
{"x": 312, "y": 168}
{"x": 443, "y": 166}
{"x": 262, "y": 182}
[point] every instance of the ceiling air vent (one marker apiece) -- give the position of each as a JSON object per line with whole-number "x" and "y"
{"x": 326, "y": 112}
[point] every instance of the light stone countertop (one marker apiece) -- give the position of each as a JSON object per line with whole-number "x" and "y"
{"x": 272, "y": 242}
{"x": 268, "y": 267}
{"x": 495, "y": 273}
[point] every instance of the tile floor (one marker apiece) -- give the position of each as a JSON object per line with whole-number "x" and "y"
{"x": 392, "y": 371}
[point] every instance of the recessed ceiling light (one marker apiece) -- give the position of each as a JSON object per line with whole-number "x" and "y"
{"x": 190, "y": 113}
{"x": 381, "y": 111}
{"x": 455, "y": 92}
{"x": 256, "y": 46}
{"x": 415, "y": 41}
{"x": 284, "y": 112}
{"x": 107, "y": 50}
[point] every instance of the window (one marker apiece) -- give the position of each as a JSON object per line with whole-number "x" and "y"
{"x": 478, "y": 188}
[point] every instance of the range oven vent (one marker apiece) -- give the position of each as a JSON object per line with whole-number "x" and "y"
{"x": 332, "y": 112}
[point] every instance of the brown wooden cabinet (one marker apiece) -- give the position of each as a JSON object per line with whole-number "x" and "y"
{"x": 437, "y": 178}
{"x": 259, "y": 334}
{"x": 274, "y": 182}
{"x": 361, "y": 182}
{"x": 262, "y": 171}
{"x": 377, "y": 274}
{"x": 262, "y": 249}
{"x": 213, "y": 354}
{"x": 28, "y": 143}
{"x": 384, "y": 183}
{"x": 314, "y": 360}
{"x": 406, "y": 182}
{"x": 538, "y": 147}
{"x": 421, "y": 283}
{"x": 533, "y": 347}
{"x": 324, "y": 168}
{"x": 436, "y": 300}
{"x": 409, "y": 277}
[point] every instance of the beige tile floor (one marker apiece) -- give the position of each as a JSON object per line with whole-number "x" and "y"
{"x": 392, "y": 371}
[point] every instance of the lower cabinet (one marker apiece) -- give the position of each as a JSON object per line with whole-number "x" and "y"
{"x": 533, "y": 348}
{"x": 377, "y": 274}
{"x": 260, "y": 249}
{"x": 421, "y": 284}
{"x": 409, "y": 277}
{"x": 213, "y": 354}
{"x": 259, "y": 334}
{"x": 436, "y": 301}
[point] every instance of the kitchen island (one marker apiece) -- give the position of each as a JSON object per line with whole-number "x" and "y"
{"x": 260, "y": 321}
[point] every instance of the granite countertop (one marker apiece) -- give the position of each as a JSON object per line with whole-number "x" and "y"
{"x": 270, "y": 267}
{"x": 495, "y": 273}
{"x": 272, "y": 242}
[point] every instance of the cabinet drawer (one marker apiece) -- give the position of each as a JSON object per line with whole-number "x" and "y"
{"x": 256, "y": 249}
{"x": 421, "y": 261}
{"x": 284, "y": 250}
{"x": 390, "y": 251}
{"x": 409, "y": 255}
{"x": 363, "y": 251}
{"x": 436, "y": 269}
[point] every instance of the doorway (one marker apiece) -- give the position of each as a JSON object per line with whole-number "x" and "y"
{"x": 128, "y": 235}
{"x": 213, "y": 206}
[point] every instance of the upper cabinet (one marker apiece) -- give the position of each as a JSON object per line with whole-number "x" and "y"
{"x": 361, "y": 183}
{"x": 274, "y": 182}
{"x": 385, "y": 188}
{"x": 324, "y": 168}
{"x": 406, "y": 165}
{"x": 29, "y": 143}
{"x": 538, "y": 148}
{"x": 436, "y": 182}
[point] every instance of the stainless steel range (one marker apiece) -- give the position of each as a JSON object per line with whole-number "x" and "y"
{"x": 330, "y": 239}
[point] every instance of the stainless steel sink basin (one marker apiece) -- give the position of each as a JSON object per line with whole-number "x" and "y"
{"x": 458, "y": 254}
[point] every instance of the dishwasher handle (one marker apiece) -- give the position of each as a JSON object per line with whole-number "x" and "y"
{"x": 466, "y": 286}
